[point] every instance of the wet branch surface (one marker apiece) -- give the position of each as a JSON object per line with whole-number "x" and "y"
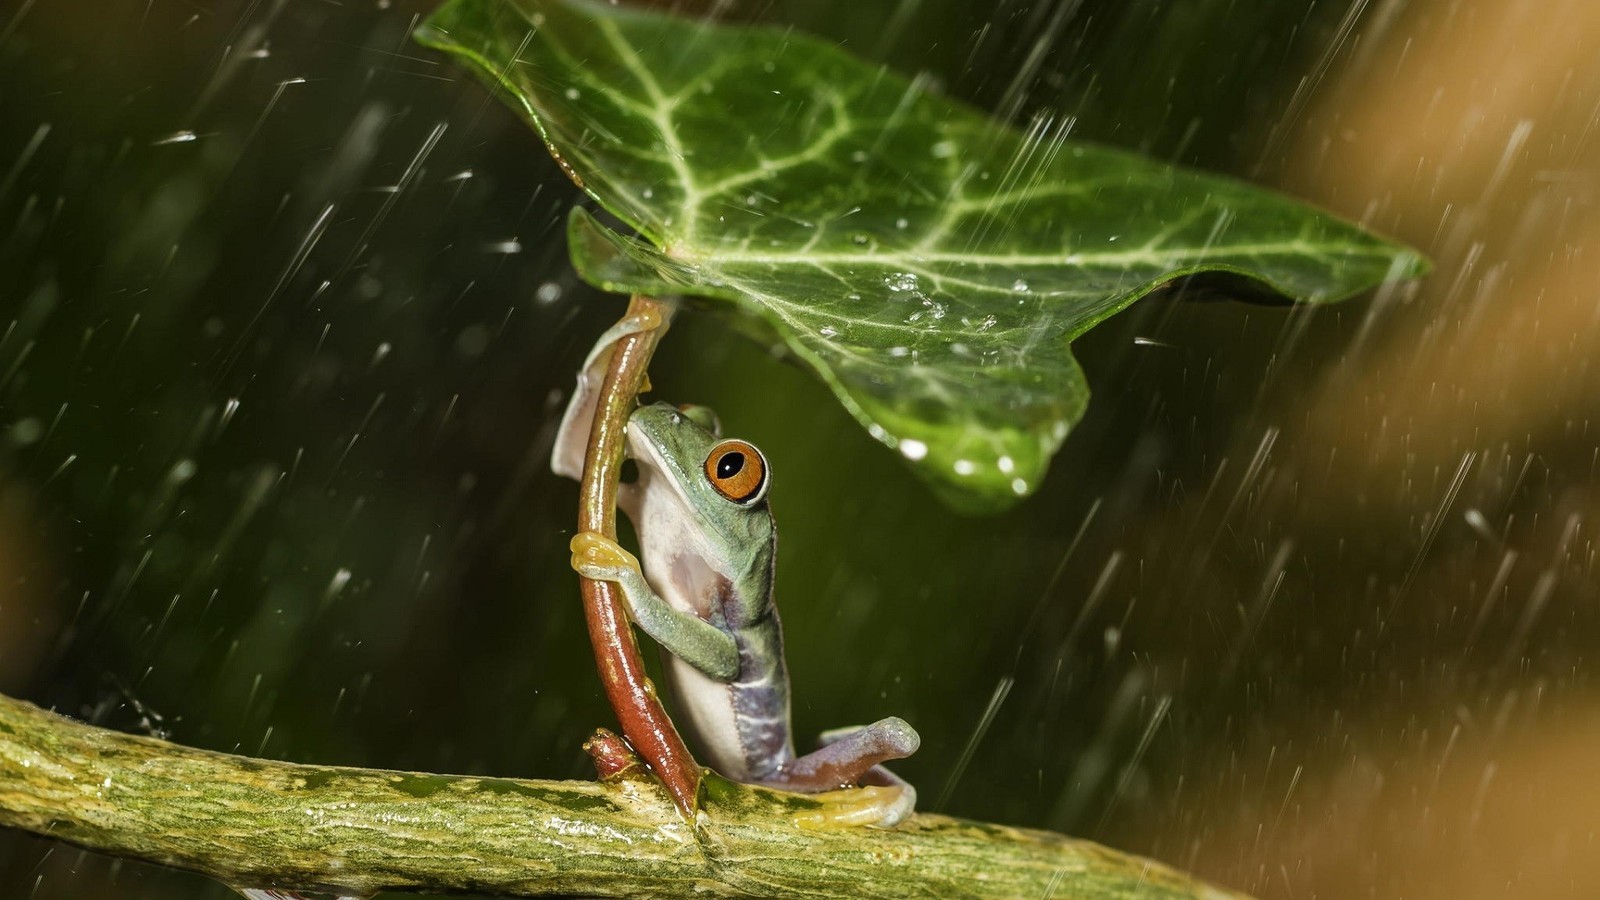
{"x": 633, "y": 698}
{"x": 259, "y": 823}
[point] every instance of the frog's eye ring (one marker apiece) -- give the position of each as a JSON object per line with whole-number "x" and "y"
{"x": 738, "y": 471}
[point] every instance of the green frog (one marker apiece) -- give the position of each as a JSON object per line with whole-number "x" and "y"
{"x": 705, "y": 595}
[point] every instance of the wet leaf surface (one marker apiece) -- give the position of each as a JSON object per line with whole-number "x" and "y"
{"x": 930, "y": 264}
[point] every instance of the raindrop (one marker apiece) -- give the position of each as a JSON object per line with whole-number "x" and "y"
{"x": 473, "y": 340}
{"x": 510, "y": 246}
{"x": 965, "y": 467}
{"x": 549, "y": 292}
{"x": 901, "y": 281}
{"x": 1478, "y": 522}
{"x": 901, "y": 223}
{"x": 898, "y": 352}
{"x": 26, "y": 431}
{"x": 177, "y": 137}
{"x": 913, "y": 449}
{"x": 336, "y": 585}
{"x": 572, "y": 93}
{"x": 828, "y": 331}
{"x": 944, "y": 149}
{"x": 1019, "y": 286}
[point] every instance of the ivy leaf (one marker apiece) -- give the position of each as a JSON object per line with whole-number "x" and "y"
{"x": 930, "y": 264}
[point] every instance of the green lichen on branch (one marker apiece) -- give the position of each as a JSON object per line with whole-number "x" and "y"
{"x": 262, "y": 823}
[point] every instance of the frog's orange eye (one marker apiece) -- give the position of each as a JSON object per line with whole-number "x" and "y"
{"x": 738, "y": 471}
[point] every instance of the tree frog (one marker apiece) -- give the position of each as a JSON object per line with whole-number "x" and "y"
{"x": 699, "y": 507}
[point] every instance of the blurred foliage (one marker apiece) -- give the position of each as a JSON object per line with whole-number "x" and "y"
{"x": 288, "y": 315}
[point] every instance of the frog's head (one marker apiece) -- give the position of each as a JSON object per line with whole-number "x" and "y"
{"x": 721, "y": 483}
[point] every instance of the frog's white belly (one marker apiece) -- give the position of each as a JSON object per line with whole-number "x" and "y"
{"x": 740, "y": 729}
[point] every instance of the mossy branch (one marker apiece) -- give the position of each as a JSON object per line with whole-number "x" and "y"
{"x": 259, "y": 823}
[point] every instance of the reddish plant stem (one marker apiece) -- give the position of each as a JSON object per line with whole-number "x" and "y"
{"x": 644, "y": 720}
{"x": 613, "y": 758}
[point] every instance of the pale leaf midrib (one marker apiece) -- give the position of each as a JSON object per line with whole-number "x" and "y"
{"x": 1125, "y": 258}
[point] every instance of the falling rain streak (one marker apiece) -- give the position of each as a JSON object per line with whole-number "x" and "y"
{"x": 1306, "y": 603}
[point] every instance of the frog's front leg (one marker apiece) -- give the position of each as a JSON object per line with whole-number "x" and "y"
{"x": 686, "y": 636}
{"x": 850, "y": 756}
{"x": 572, "y": 440}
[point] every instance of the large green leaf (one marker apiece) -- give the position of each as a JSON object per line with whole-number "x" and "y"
{"x": 930, "y": 264}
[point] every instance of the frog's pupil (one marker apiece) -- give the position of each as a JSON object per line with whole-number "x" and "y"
{"x": 730, "y": 464}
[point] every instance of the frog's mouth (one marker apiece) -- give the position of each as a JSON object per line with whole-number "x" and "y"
{"x": 641, "y": 447}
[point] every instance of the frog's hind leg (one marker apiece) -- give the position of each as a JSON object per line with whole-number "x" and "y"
{"x": 846, "y": 756}
{"x": 572, "y": 441}
{"x": 849, "y": 756}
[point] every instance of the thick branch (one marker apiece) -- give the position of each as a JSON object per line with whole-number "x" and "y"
{"x": 253, "y": 822}
{"x": 616, "y": 653}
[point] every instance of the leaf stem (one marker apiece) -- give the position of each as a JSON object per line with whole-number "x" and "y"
{"x": 633, "y": 698}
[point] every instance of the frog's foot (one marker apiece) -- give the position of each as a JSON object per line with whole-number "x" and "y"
{"x": 572, "y": 440}
{"x": 599, "y": 558}
{"x": 876, "y": 806}
{"x": 853, "y": 756}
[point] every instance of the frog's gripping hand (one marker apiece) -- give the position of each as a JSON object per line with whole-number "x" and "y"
{"x": 686, "y": 636}
{"x": 572, "y": 441}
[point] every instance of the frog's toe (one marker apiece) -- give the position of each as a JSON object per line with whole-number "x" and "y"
{"x": 897, "y": 736}
{"x": 598, "y": 557}
{"x": 614, "y": 574}
{"x": 889, "y": 738}
{"x": 878, "y": 806}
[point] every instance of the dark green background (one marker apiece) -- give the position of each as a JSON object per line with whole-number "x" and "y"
{"x": 254, "y": 417}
